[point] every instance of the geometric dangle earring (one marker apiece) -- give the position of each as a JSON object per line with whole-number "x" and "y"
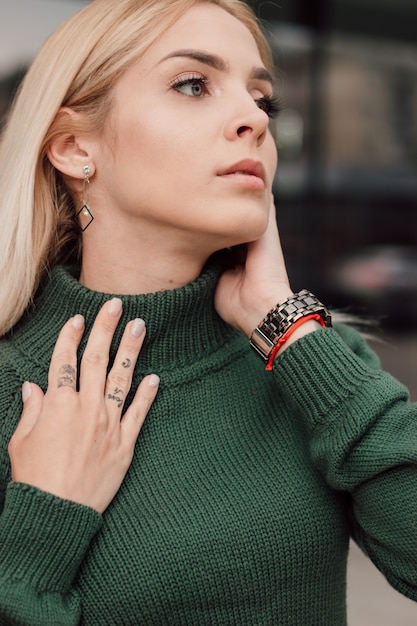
{"x": 85, "y": 215}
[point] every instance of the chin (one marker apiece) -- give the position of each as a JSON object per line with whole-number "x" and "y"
{"x": 231, "y": 224}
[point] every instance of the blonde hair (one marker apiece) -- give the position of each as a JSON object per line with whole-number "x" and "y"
{"x": 77, "y": 68}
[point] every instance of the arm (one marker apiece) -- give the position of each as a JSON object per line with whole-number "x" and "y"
{"x": 43, "y": 539}
{"x": 364, "y": 440}
{"x": 69, "y": 455}
{"x": 246, "y": 293}
{"x": 363, "y": 430}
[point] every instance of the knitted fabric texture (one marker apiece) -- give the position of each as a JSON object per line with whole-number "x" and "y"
{"x": 244, "y": 489}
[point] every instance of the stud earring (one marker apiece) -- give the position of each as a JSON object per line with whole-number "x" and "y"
{"x": 84, "y": 214}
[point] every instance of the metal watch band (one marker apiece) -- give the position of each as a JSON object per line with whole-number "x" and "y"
{"x": 280, "y": 319}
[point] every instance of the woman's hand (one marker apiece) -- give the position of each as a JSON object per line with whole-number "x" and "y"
{"x": 246, "y": 293}
{"x": 72, "y": 443}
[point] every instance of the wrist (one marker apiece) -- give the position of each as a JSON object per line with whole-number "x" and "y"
{"x": 67, "y": 526}
{"x": 298, "y": 315}
{"x": 259, "y": 306}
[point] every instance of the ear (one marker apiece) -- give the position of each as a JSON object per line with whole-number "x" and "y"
{"x": 70, "y": 149}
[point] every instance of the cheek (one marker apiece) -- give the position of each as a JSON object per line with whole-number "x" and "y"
{"x": 158, "y": 145}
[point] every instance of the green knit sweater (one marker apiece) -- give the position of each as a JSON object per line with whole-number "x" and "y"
{"x": 244, "y": 488}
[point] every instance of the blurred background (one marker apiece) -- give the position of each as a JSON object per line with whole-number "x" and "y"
{"x": 346, "y": 187}
{"x": 347, "y": 179}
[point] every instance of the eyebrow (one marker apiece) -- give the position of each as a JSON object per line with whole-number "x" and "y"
{"x": 216, "y": 62}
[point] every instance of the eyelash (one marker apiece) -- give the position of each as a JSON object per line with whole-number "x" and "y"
{"x": 191, "y": 79}
{"x": 271, "y": 105}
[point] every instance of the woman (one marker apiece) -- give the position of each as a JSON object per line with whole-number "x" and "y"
{"x": 137, "y": 150}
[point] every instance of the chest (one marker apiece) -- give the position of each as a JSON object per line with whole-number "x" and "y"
{"x": 221, "y": 512}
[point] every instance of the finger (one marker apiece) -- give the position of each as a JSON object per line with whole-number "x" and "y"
{"x": 135, "y": 416}
{"x": 32, "y": 397}
{"x": 95, "y": 360}
{"x": 63, "y": 367}
{"x": 119, "y": 378}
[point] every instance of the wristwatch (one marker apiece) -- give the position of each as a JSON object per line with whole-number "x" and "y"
{"x": 279, "y": 321}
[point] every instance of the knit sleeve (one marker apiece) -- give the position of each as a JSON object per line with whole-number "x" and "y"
{"x": 43, "y": 540}
{"x": 363, "y": 438}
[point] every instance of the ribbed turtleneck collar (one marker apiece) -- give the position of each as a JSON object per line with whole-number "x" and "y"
{"x": 182, "y": 324}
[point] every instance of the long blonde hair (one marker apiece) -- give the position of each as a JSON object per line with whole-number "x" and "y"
{"x": 77, "y": 67}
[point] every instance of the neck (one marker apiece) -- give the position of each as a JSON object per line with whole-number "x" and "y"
{"x": 139, "y": 265}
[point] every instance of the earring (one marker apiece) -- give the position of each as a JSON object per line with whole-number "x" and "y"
{"x": 85, "y": 212}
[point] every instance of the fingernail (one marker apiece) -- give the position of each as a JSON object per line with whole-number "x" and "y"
{"x": 77, "y": 322}
{"x": 26, "y": 391}
{"x": 115, "y": 306}
{"x": 153, "y": 380}
{"x": 137, "y": 327}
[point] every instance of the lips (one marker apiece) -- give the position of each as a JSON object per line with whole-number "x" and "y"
{"x": 246, "y": 167}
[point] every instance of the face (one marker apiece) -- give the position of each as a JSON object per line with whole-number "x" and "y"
{"x": 186, "y": 149}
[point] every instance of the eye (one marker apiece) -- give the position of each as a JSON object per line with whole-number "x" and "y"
{"x": 270, "y": 105}
{"x": 194, "y": 86}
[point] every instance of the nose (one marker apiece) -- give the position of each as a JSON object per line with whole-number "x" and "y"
{"x": 247, "y": 121}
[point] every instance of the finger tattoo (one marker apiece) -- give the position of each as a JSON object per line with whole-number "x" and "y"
{"x": 126, "y": 363}
{"x": 66, "y": 376}
{"x": 116, "y": 396}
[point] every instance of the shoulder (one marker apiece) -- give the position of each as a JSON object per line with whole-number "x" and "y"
{"x": 25, "y": 351}
{"x": 10, "y": 406}
{"x": 19, "y": 359}
{"x": 9, "y": 365}
{"x": 18, "y": 363}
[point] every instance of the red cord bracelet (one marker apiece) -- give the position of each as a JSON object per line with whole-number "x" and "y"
{"x": 290, "y": 331}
